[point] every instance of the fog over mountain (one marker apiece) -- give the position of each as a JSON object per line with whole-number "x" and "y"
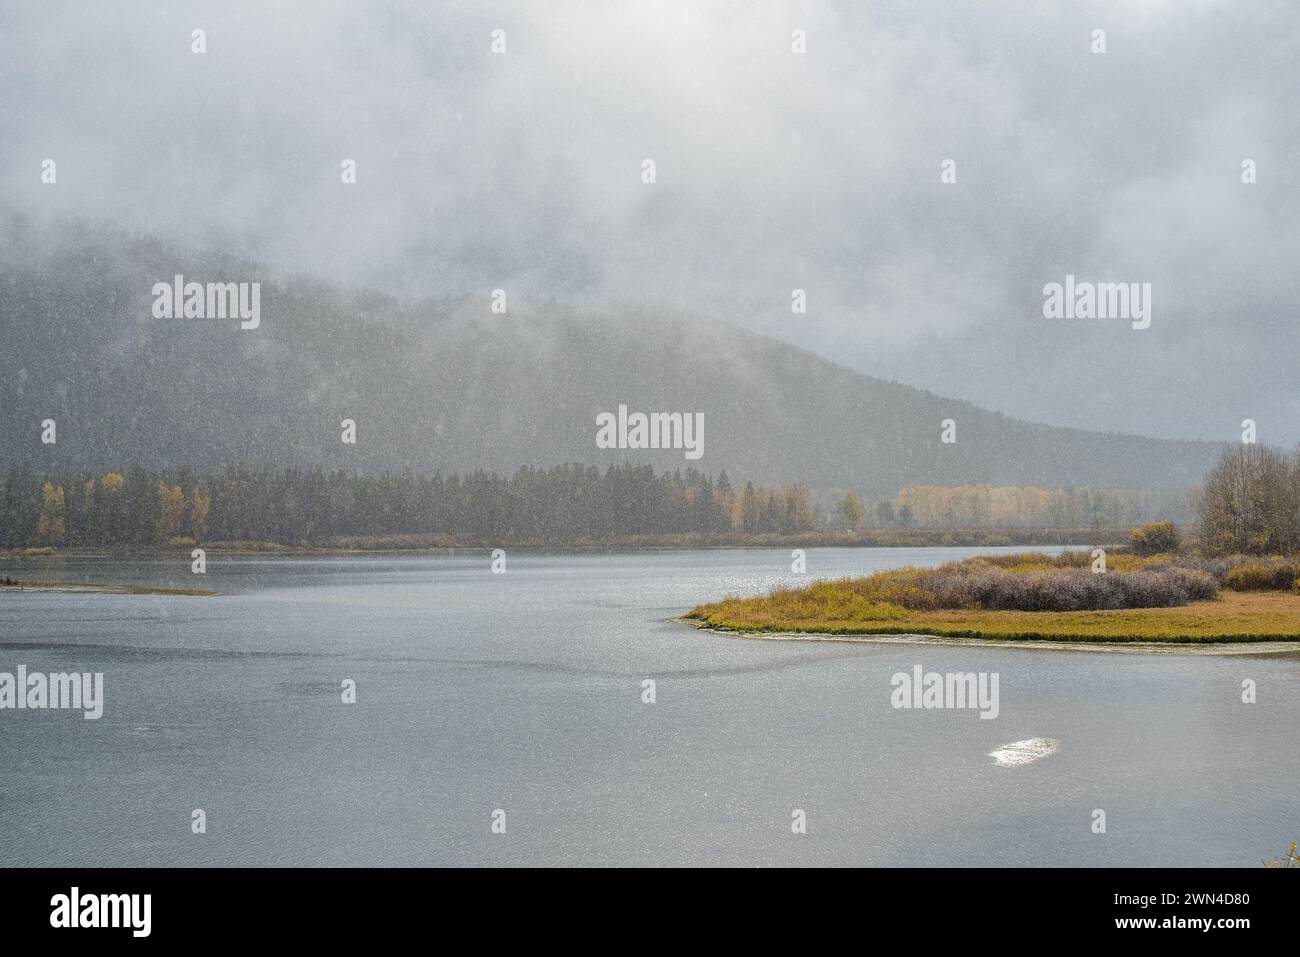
{"x": 444, "y": 384}
{"x": 775, "y": 170}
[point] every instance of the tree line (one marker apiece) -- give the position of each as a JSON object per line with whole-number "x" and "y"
{"x": 979, "y": 506}
{"x": 138, "y": 506}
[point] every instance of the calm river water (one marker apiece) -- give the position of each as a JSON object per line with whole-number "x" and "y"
{"x": 523, "y": 692}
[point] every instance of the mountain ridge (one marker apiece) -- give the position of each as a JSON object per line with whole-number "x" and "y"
{"x": 447, "y": 385}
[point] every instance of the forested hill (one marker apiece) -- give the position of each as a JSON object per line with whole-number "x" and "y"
{"x": 447, "y": 385}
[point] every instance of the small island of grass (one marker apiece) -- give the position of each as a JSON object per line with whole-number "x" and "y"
{"x": 1035, "y": 597}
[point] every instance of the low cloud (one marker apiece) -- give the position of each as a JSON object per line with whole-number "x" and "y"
{"x": 775, "y": 171}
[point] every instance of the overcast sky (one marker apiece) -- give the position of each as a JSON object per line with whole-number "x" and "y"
{"x": 775, "y": 171}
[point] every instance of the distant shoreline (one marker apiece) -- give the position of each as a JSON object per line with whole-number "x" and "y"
{"x": 878, "y": 538}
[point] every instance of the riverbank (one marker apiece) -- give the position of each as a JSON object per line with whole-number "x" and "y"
{"x": 1261, "y": 647}
{"x": 106, "y": 588}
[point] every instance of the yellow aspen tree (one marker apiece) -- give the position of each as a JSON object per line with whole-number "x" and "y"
{"x": 198, "y": 513}
{"x": 171, "y": 502}
{"x": 51, "y": 525}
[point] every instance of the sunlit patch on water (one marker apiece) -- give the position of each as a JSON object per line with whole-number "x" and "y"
{"x": 1018, "y": 753}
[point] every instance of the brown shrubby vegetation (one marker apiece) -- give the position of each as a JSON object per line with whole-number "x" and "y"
{"x": 1261, "y": 576}
{"x": 981, "y": 584}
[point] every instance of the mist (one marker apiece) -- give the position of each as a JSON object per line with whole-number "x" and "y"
{"x": 774, "y": 171}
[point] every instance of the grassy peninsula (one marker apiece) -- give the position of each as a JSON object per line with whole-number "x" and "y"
{"x": 1031, "y": 596}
